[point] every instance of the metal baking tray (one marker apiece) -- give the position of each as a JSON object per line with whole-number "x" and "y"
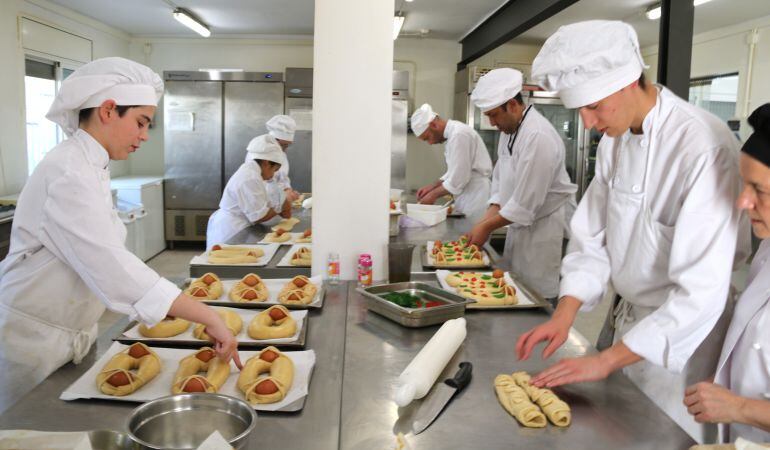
{"x": 410, "y": 317}
{"x": 196, "y": 343}
{"x": 427, "y": 265}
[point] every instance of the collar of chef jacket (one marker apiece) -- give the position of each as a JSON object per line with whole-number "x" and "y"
{"x": 96, "y": 154}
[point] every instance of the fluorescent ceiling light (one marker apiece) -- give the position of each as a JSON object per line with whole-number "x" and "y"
{"x": 653, "y": 12}
{"x": 189, "y": 20}
{"x": 398, "y": 22}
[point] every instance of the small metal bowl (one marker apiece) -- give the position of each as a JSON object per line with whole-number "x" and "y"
{"x": 184, "y": 421}
{"x": 111, "y": 440}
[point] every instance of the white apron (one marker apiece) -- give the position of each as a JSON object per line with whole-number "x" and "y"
{"x": 39, "y": 333}
{"x": 223, "y": 225}
{"x": 628, "y": 215}
{"x": 472, "y": 201}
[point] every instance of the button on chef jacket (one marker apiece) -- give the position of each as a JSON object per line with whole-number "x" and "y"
{"x": 244, "y": 202}
{"x": 67, "y": 246}
{"x": 533, "y": 189}
{"x": 469, "y": 168}
{"x": 744, "y": 365}
{"x": 681, "y": 264}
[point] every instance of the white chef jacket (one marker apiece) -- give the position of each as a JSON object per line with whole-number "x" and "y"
{"x": 744, "y": 364}
{"x": 682, "y": 265}
{"x": 244, "y": 202}
{"x": 280, "y": 182}
{"x": 469, "y": 168}
{"x": 67, "y": 245}
{"x": 533, "y": 189}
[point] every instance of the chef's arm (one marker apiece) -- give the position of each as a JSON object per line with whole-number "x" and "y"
{"x": 286, "y": 209}
{"x": 437, "y": 192}
{"x": 268, "y": 215}
{"x": 711, "y": 403}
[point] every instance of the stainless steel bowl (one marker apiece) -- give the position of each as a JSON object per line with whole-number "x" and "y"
{"x": 111, "y": 440}
{"x": 182, "y": 422}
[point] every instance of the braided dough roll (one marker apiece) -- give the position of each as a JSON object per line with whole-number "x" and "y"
{"x": 517, "y": 403}
{"x": 128, "y": 370}
{"x": 188, "y": 378}
{"x": 168, "y": 327}
{"x": 251, "y": 288}
{"x": 234, "y": 255}
{"x": 233, "y": 322}
{"x": 557, "y": 411}
{"x": 271, "y": 388}
{"x": 298, "y": 291}
{"x": 273, "y": 323}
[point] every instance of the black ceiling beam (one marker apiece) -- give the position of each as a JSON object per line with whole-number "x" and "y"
{"x": 511, "y": 20}
{"x": 675, "y": 45}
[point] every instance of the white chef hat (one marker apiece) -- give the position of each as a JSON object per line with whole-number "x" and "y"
{"x": 126, "y": 82}
{"x": 282, "y": 127}
{"x": 496, "y": 87}
{"x": 265, "y": 147}
{"x": 588, "y": 61}
{"x": 421, "y": 118}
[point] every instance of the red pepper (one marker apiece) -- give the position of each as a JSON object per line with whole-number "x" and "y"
{"x": 432, "y": 304}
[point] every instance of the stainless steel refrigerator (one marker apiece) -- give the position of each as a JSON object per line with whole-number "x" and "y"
{"x": 208, "y": 120}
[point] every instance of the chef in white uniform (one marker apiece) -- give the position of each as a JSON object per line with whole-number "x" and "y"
{"x": 245, "y": 200}
{"x": 469, "y": 166}
{"x": 280, "y": 129}
{"x": 657, "y": 223}
{"x": 531, "y": 190}
{"x": 739, "y": 397}
{"x": 67, "y": 258}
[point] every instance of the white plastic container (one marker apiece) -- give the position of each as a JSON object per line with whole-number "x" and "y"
{"x": 395, "y": 194}
{"x": 428, "y": 214}
{"x": 418, "y": 377}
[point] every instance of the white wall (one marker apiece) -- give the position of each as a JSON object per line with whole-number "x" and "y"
{"x": 727, "y": 50}
{"x": 106, "y": 42}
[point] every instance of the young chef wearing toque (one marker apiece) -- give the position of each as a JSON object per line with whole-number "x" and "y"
{"x": 245, "y": 200}
{"x": 468, "y": 163}
{"x": 531, "y": 190}
{"x": 67, "y": 243}
{"x": 280, "y": 129}
{"x": 739, "y": 395}
{"x": 657, "y": 222}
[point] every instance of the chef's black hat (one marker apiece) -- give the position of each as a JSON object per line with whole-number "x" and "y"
{"x": 758, "y": 144}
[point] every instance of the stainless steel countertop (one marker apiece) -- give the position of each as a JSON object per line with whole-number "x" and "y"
{"x": 359, "y": 357}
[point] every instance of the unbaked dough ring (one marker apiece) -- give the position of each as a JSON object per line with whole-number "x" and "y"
{"x": 210, "y": 282}
{"x": 302, "y": 257}
{"x": 272, "y": 388}
{"x": 189, "y": 379}
{"x": 168, "y": 327}
{"x": 135, "y": 371}
{"x": 249, "y": 289}
{"x": 298, "y": 291}
{"x": 265, "y": 326}
{"x": 232, "y": 320}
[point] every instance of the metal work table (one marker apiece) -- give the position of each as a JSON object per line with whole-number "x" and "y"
{"x": 252, "y": 235}
{"x": 359, "y": 357}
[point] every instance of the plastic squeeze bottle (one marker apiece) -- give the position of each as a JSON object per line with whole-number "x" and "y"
{"x": 418, "y": 377}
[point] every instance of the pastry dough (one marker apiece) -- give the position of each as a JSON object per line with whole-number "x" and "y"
{"x": 279, "y": 235}
{"x": 516, "y": 401}
{"x": 234, "y": 255}
{"x": 188, "y": 378}
{"x": 207, "y": 287}
{"x": 302, "y": 257}
{"x": 273, "y": 323}
{"x": 298, "y": 291}
{"x": 251, "y": 288}
{"x": 557, "y": 411}
{"x": 457, "y": 257}
{"x": 272, "y": 388}
{"x": 168, "y": 327}
{"x": 232, "y": 320}
{"x": 128, "y": 370}
{"x": 286, "y": 224}
{"x": 306, "y": 238}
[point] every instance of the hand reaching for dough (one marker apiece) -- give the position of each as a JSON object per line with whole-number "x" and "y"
{"x": 225, "y": 344}
{"x": 573, "y": 370}
{"x": 286, "y": 209}
{"x": 291, "y": 195}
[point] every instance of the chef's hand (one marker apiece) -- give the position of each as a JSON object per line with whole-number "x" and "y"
{"x": 479, "y": 234}
{"x": 429, "y": 198}
{"x": 423, "y": 191}
{"x": 712, "y": 403}
{"x": 555, "y": 330}
{"x": 225, "y": 344}
{"x": 291, "y": 195}
{"x": 573, "y": 370}
{"x": 286, "y": 209}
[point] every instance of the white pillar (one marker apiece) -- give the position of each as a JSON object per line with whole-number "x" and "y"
{"x": 352, "y": 83}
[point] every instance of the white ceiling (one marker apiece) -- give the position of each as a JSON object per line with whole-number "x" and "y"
{"x": 446, "y": 19}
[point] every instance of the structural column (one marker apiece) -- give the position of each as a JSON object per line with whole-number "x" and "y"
{"x": 352, "y": 76}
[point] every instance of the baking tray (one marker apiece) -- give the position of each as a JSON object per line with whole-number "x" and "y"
{"x": 160, "y": 386}
{"x": 427, "y": 264}
{"x": 414, "y": 318}
{"x": 274, "y": 286}
{"x": 269, "y": 249}
{"x": 186, "y": 340}
{"x": 527, "y": 298}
